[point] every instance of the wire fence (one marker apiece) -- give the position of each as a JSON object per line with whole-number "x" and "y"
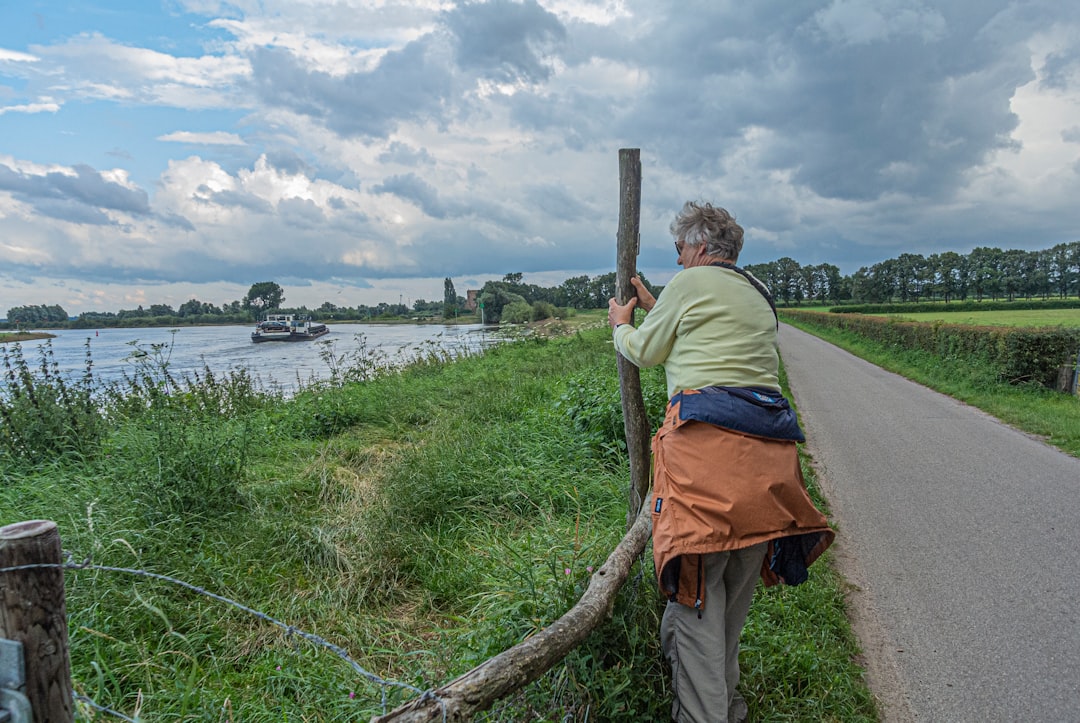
{"x": 290, "y": 630}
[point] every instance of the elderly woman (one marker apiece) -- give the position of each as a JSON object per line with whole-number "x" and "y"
{"x": 729, "y": 502}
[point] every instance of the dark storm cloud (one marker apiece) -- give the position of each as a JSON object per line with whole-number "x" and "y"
{"x": 426, "y": 197}
{"x": 408, "y": 84}
{"x": 86, "y": 187}
{"x": 577, "y": 118}
{"x": 852, "y": 108}
{"x": 416, "y": 190}
{"x": 556, "y": 201}
{"x": 1059, "y": 66}
{"x": 64, "y": 209}
{"x": 505, "y": 40}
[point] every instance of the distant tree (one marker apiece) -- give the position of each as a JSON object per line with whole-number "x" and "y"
{"x": 36, "y": 314}
{"x": 161, "y": 310}
{"x": 787, "y": 286}
{"x": 574, "y": 292}
{"x": 264, "y": 296}
{"x": 602, "y": 288}
{"x": 494, "y": 297}
{"x": 450, "y": 298}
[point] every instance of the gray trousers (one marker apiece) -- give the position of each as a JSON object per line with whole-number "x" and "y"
{"x": 704, "y": 652}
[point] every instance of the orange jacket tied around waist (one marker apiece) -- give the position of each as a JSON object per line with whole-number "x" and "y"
{"x": 717, "y": 489}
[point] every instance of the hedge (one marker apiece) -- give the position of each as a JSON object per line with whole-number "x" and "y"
{"x": 1017, "y": 354}
{"x": 968, "y": 305}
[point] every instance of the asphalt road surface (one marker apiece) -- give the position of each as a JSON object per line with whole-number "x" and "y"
{"x": 961, "y": 536}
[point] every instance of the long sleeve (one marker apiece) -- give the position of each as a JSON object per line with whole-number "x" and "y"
{"x": 651, "y": 343}
{"x": 709, "y": 326}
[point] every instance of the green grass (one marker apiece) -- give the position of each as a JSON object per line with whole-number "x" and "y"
{"x": 423, "y": 520}
{"x": 1051, "y": 415}
{"x": 1032, "y": 318}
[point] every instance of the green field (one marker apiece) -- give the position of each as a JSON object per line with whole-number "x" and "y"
{"x": 1033, "y": 318}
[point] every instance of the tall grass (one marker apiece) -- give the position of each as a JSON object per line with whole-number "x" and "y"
{"x": 421, "y": 518}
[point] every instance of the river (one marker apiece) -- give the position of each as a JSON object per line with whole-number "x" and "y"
{"x": 220, "y": 349}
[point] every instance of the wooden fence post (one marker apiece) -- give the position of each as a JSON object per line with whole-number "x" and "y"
{"x": 635, "y": 421}
{"x": 33, "y": 612}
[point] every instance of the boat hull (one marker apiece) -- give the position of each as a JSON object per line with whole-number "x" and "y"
{"x": 314, "y": 333}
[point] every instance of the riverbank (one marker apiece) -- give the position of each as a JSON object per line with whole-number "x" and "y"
{"x": 14, "y": 336}
{"x": 422, "y": 521}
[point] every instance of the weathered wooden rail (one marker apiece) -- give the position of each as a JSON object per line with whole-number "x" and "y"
{"x": 520, "y": 665}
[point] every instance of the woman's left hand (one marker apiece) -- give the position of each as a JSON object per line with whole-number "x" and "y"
{"x": 620, "y": 313}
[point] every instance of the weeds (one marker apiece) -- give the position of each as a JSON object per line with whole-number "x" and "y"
{"x": 43, "y": 415}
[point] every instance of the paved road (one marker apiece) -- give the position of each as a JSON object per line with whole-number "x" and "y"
{"x": 962, "y": 535}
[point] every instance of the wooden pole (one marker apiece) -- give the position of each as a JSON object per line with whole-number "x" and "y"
{"x": 635, "y": 421}
{"x": 33, "y": 612}
{"x": 520, "y": 665}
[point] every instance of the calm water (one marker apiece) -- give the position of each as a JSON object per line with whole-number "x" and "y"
{"x": 221, "y": 348}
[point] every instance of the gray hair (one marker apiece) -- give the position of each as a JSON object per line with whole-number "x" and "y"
{"x": 700, "y": 223}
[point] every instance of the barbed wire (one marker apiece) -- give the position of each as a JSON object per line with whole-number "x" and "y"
{"x": 103, "y": 708}
{"x": 290, "y": 630}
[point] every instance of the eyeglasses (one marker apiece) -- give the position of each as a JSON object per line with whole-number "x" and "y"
{"x": 678, "y": 248}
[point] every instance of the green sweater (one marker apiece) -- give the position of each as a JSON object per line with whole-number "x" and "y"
{"x": 710, "y": 326}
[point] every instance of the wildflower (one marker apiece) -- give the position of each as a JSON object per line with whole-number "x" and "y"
{"x": 351, "y": 695}
{"x": 589, "y": 569}
{"x": 567, "y": 571}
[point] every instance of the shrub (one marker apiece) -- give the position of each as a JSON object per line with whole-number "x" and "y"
{"x": 516, "y": 312}
{"x": 593, "y": 404}
{"x": 43, "y": 415}
{"x": 543, "y": 310}
{"x": 1016, "y": 354}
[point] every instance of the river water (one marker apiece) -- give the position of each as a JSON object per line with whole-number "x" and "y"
{"x": 286, "y": 365}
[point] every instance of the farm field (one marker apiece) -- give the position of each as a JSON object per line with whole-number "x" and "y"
{"x": 1020, "y": 317}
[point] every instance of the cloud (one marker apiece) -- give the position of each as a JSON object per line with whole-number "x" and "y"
{"x": 405, "y": 155}
{"x": 14, "y": 56}
{"x": 93, "y": 67}
{"x": 506, "y": 41}
{"x": 31, "y": 108}
{"x": 212, "y": 138}
{"x": 408, "y": 84}
{"x": 79, "y": 185}
{"x": 413, "y": 188}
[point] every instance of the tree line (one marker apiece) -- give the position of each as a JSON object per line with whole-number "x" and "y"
{"x": 985, "y": 273}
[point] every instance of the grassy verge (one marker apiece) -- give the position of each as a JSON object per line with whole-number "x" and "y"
{"x": 14, "y": 336}
{"x": 1050, "y": 415}
{"x": 422, "y": 520}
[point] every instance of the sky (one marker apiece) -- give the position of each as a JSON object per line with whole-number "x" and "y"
{"x": 359, "y": 151}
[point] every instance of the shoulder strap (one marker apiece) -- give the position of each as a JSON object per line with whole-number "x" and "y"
{"x": 753, "y": 282}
